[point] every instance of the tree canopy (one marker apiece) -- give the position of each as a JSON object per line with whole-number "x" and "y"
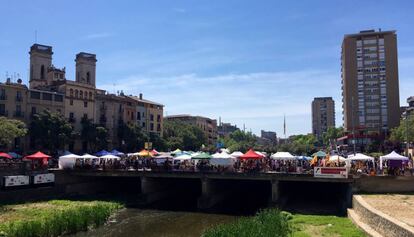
{"x": 239, "y": 141}
{"x": 404, "y": 131}
{"x": 182, "y": 135}
{"x": 11, "y": 129}
{"x": 50, "y": 131}
{"x": 95, "y": 136}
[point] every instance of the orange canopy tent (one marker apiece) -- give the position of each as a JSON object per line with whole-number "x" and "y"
{"x": 38, "y": 156}
{"x": 251, "y": 154}
{"x": 144, "y": 152}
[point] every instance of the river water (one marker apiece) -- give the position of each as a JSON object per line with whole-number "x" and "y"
{"x": 156, "y": 223}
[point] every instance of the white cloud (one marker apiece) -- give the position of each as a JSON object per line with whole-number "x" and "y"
{"x": 259, "y": 99}
{"x": 96, "y": 36}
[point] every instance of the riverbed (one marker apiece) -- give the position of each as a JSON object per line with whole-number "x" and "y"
{"x": 156, "y": 223}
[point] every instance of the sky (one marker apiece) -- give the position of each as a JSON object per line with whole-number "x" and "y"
{"x": 246, "y": 62}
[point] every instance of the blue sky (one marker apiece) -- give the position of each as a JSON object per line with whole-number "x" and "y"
{"x": 244, "y": 61}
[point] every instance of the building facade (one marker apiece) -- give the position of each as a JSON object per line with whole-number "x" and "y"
{"x": 224, "y": 129}
{"x": 268, "y": 138}
{"x": 207, "y": 125}
{"x": 75, "y": 100}
{"x": 370, "y": 87}
{"x": 323, "y": 115}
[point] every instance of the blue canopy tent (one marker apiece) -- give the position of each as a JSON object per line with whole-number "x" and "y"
{"x": 117, "y": 153}
{"x": 14, "y": 155}
{"x": 102, "y": 153}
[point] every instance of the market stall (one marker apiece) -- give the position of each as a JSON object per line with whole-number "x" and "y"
{"x": 283, "y": 156}
{"x": 68, "y": 161}
{"x": 394, "y": 159}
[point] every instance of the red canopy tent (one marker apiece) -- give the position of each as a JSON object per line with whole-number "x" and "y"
{"x": 154, "y": 152}
{"x": 38, "y": 156}
{"x": 251, "y": 154}
{"x": 5, "y": 155}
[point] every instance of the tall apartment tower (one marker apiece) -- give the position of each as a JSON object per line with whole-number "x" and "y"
{"x": 40, "y": 62}
{"x": 323, "y": 115}
{"x": 370, "y": 90}
{"x": 86, "y": 68}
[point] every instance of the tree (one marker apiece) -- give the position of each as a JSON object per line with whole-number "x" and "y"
{"x": 239, "y": 141}
{"x": 332, "y": 134}
{"x": 303, "y": 144}
{"x": 182, "y": 135}
{"x": 404, "y": 132}
{"x": 11, "y": 129}
{"x": 50, "y": 131}
{"x": 93, "y": 135}
{"x": 157, "y": 141}
{"x": 132, "y": 136}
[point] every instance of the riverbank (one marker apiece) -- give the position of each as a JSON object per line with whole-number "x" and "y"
{"x": 53, "y": 218}
{"x": 271, "y": 221}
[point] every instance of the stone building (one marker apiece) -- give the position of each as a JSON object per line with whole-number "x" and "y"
{"x": 49, "y": 89}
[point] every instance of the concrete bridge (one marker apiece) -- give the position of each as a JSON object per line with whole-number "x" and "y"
{"x": 211, "y": 188}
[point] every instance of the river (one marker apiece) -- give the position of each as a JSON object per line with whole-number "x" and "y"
{"x": 156, "y": 223}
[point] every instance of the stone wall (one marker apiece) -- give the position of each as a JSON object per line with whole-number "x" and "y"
{"x": 384, "y": 184}
{"x": 380, "y": 222}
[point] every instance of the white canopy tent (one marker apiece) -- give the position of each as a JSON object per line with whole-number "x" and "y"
{"x": 283, "y": 156}
{"x": 88, "y": 156}
{"x": 182, "y": 157}
{"x": 222, "y": 158}
{"x": 237, "y": 154}
{"x": 337, "y": 158}
{"x": 110, "y": 157}
{"x": 392, "y": 156}
{"x": 359, "y": 157}
{"x": 67, "y": 161}
{"x": 260, "y": 153}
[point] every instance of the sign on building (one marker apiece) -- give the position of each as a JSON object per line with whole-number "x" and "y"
{"x": 148, "y": 146}
{"x": 44, "y": 178}
{"x": 17, "y": 180}
{"x": 330, "y": 172}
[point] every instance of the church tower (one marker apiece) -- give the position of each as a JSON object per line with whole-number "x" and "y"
{"x": 86, "y": 68}
{"x": 40, "y": 61}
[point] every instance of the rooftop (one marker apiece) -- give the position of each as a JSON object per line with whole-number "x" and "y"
{"x": 370, "y": 33}
{"x": 41, "y": 48}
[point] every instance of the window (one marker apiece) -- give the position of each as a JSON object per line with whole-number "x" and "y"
{"x": 88, "y": 78}
{"x": 151, "y": 117}
{"x": 81, "y": 94}
{"x": 42, "y": 72}
{"x": 90, "y": 95}
{"x": 138, "y": 116}
{"x": 71, "y": 115}
{"x": 33, "y": 110}
{"x": 76, "y": 93}
{"x": 159, "y": 127}
{"x": 85, "y": 104}
{"x": 35, "y": 95}
{"x": 47, "y": 96}
{"x": 71, "y": 92}
{"x": 158, "y": 118}
{"x": 85, "y": 116}
{"x": 71, "y": 102}
{"x": 151, "y": 126}
{"x": 143, "y": 124}
{"x": 59, "y": 98}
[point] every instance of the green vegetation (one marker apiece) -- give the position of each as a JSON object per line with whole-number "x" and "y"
{"x": 240, "y": 141}
{"x": 272, "y": 222}
{"x": 53, "y": 218}
{"x": 184, "y": 136}
{"x": 50, "y": 131}
{"x": 93, "y": 135}
{"x": 10, "y": 129}
{"x": 404, "y": 131}
{"x": 313, "y": 225}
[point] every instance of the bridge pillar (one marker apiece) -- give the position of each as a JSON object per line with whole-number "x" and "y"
{"x": 212, "y": 192}
{"x": 154, "y": 189}
{"x": 275, "y": 195}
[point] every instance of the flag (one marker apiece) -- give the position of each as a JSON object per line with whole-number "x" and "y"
{"x": 314, "y": 160}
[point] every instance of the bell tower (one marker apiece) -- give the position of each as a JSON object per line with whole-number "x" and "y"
{"x": 86, "y": 68}
{"x": 40, "y": 61}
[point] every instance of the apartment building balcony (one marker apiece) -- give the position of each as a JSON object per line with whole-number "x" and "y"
{"x": 3, "y": 97}
{"x": 18, "y": 114}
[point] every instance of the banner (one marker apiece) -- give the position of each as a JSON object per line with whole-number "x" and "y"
{"x": 330, "y": 172}
{"x": 43, "y": 178}
{"x": 18, "y": 180}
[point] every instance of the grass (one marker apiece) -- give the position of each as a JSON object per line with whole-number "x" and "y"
{"x": 272, "y": 222}
{"x": 269, "y": 222}
{"x": 53, "y": 218}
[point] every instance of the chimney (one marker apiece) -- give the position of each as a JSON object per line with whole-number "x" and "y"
{"x": 140, "y": 96}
